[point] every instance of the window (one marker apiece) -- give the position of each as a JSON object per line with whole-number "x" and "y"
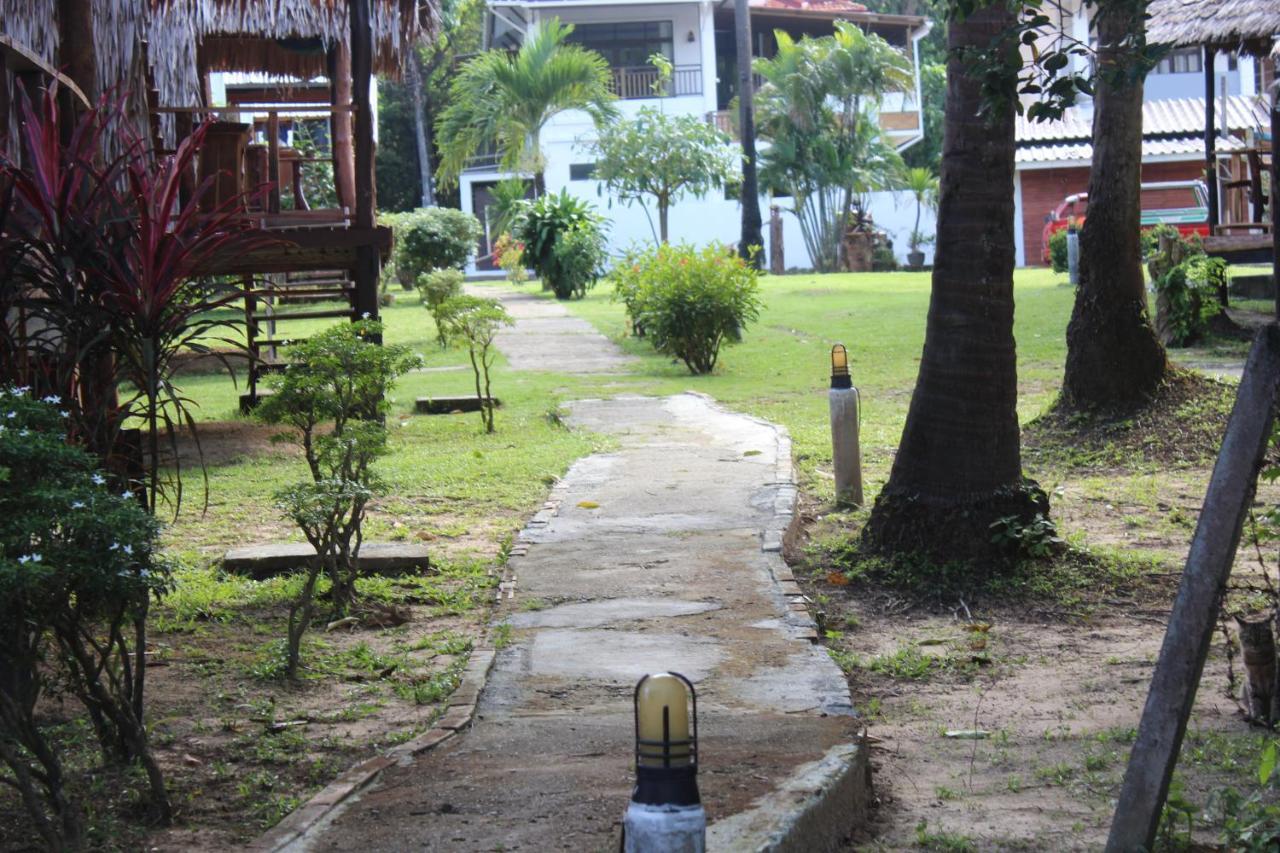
{"x": 626, "y": 45}
{"x": 1186, "y": 60}
{"x": 581, "y": 171}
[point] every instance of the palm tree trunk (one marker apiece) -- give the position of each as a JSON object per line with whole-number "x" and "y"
{"x": 421, "y": 132}
{"x": 752, "y": 236}
{"x": 663, "y": 204}
{"x": 958, "y": 466}
{"x": 1113, "y": 355}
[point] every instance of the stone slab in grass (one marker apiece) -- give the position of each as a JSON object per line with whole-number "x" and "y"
{"x": 379, "y": 558}
{"x": 449, "y": 405}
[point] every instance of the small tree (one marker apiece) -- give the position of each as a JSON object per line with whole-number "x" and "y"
{"x": 77, "y": 569}
{"x": 923, "y": 186}
{"x": 334, "y": 396}
{"x": 435, "y": 289}
{"x": 476, "y": 321}
{"x": 663, "y": 157}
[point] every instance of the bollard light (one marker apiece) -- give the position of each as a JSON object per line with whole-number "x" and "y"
{"x": 846, "y": 453}
{"x": 840, "y": 367}
{"x": 665, "y": 813}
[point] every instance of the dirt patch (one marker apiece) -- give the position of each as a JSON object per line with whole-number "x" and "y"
{"x": 1054, "y": 678}
{"x": 1182, "y": 425}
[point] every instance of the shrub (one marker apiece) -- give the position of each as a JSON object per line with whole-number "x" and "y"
{"x": 433, "y": 238}
{"x": 563, "y": 242}
{"x": 508, "y": 253}
{"x": 1188, "y": 284}
{"x": 691, "y": 302}
{"x": 77, "y": 571}
{"x": 334, "y": 396}
{"x": 477, "y": 322}
{"x": 435, "y": 288}
{"x": 1058, "y": 251}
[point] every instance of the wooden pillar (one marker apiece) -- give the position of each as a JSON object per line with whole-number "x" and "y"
{"x": 1210, "y": 138}
{"x": 76, "y": 54}
{"x": 367, "y": 261}
{"x": 273, "y": 161}
{"x": 1195, "y": 610}
{"x": 344, "y": 169}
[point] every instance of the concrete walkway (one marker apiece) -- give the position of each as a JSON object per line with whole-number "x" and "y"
{"x": 662, "y": 555}
{"x": 546, "y": 337}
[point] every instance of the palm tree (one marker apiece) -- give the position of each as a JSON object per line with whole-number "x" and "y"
{"x": 923, "y": 186}
{"x": 1113, "y": 355}
{"x": 958, "y": 467}
{"x": 505, "y": 100}
{"x": 752, "y": 236}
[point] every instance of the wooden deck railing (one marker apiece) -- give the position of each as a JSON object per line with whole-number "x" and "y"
{"x": 634, "y": 82}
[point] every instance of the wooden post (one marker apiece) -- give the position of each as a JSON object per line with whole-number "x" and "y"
{"x": 1195, "y": 610}
{"x": 1210, "y": 139}
{"x": 76, "y": 54}
{"x": 367, "y": 261}
{"x": 273, "y": 161}
{"x": 344, "y": 169}
{"x": 777, "y": 263}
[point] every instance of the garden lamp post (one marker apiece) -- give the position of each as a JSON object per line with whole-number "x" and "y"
{"x": 665, "y": 814}
{"x": 846, "y": 454}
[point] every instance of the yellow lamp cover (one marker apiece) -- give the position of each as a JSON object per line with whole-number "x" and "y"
{"x": 663, "y": 722}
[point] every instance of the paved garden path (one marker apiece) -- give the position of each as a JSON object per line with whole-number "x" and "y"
{"x": 663, "y": 554}
{"x": 547, "y": 337}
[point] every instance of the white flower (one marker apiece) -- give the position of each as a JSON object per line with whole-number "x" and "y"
{"x": 21, "y": 389}
{"x": 98, "y": 479}
{"x": 364, "y": 316}
{"x": 23, "y": 433}
{"x": 29, "y": 558}
{"x": 115, "y": 546}
{"x": 11, "y": 415}
{"x": 128, "y": 549}
{"x": 65, "y": 413}
{"x": 77, "y": 504}
{"x": 52, "y": 399}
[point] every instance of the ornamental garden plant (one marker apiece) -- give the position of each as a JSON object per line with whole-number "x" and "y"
{"x": 78, "y": 571}
{"x": 688, "y": 302}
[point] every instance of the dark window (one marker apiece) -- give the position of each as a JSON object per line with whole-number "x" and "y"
{"x": 626, "y": 45}
{"x": 581, "y": 171}
{"x": 1187, "y": 60}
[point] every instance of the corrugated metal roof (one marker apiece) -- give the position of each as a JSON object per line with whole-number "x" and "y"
{"x": 1170, "y": 117}
{"x": 1083, "y": 151}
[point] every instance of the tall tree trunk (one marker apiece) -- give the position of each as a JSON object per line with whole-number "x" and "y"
{"x": 751, "y": 222}
{"x": 1113, "y": 355}
{"x": 421, "y": 132}
{"x": 958, "y": 466}
{"x": 663, "y": 205}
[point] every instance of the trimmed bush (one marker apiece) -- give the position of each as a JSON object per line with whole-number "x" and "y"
{"x": 435, "y": 288}
{"x": 1058, "y": 250}
{"x": 433, "y": 238}
{"x": 689, "y": 302}
{"x": 563, "y": 243}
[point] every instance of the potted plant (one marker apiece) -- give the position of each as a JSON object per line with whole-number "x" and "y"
{"x": 923, "y": 186}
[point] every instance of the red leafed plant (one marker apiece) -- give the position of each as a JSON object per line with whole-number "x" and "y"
{"x": 101, "y": 261}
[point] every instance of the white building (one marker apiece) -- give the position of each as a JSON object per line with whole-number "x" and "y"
{"x": 697, "y": 36}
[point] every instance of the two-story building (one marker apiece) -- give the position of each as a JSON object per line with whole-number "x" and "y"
{"x": 697, "y": 37}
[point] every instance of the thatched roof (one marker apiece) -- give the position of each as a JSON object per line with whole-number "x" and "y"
{"x": 281, "y": 37}
{"x": 1249, "y": 25}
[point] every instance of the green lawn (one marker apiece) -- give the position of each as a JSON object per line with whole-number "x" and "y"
{"x": 446, "y": 467}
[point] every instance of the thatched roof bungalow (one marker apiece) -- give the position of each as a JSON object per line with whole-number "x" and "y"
{"x": 1250, "y": 26}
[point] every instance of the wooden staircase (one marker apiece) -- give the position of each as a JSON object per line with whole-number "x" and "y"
{"x": 270, "y": 305}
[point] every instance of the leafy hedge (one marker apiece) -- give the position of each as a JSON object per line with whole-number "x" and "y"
{"x": 688, "y": 302}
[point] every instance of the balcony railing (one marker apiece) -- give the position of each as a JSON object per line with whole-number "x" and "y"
{"x": 642, "y": 82}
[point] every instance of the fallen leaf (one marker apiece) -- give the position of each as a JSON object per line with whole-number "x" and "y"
{"x": 838, "y": 579}
{"x": 752, "y": 452}
{"x": 588, "y": 504}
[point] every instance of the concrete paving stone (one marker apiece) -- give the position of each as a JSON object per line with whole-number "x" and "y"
{"x": 384, "y": 558}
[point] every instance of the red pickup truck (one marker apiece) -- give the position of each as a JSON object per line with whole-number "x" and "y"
{"x": 1182, "y": 204}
